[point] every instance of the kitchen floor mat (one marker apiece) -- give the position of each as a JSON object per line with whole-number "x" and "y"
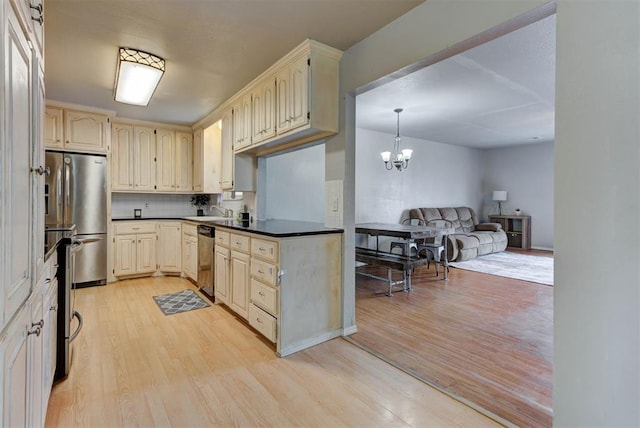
{"x": 182, "y": 301}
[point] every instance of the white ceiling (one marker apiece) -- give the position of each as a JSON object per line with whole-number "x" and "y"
{"x": 212, "y": 48}
{"x": 498, "y": 94}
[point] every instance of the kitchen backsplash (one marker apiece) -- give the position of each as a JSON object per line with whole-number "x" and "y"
{"x": 167, "y": 205}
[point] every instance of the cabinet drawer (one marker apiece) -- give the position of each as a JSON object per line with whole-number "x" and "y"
{"x": 267, "y": 250}
{"x": 263, "y": 322}
{"x": 134, "y": 227}
{"x": 189, "y": 228}
{"x": 265, "y": 297}
{"x": 239, "y": 243}
{"x": 222, "y": 238}
{"x": 263, "y": 271}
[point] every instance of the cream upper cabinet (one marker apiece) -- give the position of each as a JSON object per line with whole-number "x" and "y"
{"x": 144, "y": 154}
{"x": 165, "y": 165}
{"x": 184, "y": 162}
{"x": 226, "y": 168}
{"x": 263, "y": 114}
{"x": 132, "y": 160}
{"x": 303, "y": 106}
{"x": 293, "y": 95}
{"x": 242, "y": 122}
{"x": 85, "y": 132}
{"x": 198, "y": 160}
{"x": 122, "y": 157}
{"x": 53, "y": 136}
{"x": 169, "y": 248}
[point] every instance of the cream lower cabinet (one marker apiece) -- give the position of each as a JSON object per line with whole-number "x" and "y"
{"x": 240, "y": 273}
{"x": 293, "y": 285}
{"x": 169, "y": 246}
{"x": 190, "y": 250}
{"x": 135, "y": 248}
{"x": 27, "y": 350}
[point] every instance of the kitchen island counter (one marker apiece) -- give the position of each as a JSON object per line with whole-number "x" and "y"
{"x": 278, "y": 228}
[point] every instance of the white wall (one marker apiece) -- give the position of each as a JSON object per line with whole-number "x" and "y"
{"x": 526, "y": 173}
{"x": 292, "y": 186}
{"x": 153, "y": 205}
{"x": 439, "y": 175}
{"x": 597, "y": 215}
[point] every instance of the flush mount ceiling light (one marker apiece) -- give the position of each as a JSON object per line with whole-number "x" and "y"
{"x": 137, "y": 76}
{"x": 399, "y": 158}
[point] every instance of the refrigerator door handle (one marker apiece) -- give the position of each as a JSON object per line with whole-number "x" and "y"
{"x": 67, "y": 194}
{"x": 77, "y": 315}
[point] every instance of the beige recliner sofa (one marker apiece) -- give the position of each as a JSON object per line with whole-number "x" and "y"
{"x": 471, "y": 239}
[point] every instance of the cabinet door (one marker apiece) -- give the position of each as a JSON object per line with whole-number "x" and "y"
{"x": 283, "y": 122}
{"x": 38, "y": 160}
{"x": 125, "y": 255}
{"x": 263, "y": 113}
{"x": 35, "y": 346}
{"x": 170, "y": 236}
{"x": 198, "y": 160}
{"x": 165, "y": 164}
{"x": 242, "y": 123}
{"x": 86, "y": 132}
{"x": 146, "y": 253}
{"x": 299, "y": 93}
{"x": 189, "y": 257}
{"x": 122, "y": 156}
{"x": 184, "y": 162}
{"x": 144, "y": 154}
{"x": 53, "y": 138}
{"x": 226, "y": 169}
{"x": 239, "y": 299}
{"x": 17, "y": 191}
{"x": 221, "y": 284}
{"x": 15, "y": 372}
{"x": 49, "y": 339}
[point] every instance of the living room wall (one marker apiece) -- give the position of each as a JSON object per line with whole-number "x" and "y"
{"x": 526, "y": 173}
{"x": 439, "y": 175}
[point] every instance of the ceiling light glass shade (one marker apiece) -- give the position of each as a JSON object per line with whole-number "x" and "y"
{"x": 137, "y": 76}
{"x": 400, "y": 157}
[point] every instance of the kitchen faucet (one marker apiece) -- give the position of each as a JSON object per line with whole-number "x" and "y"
{"x": 225, "y": 212}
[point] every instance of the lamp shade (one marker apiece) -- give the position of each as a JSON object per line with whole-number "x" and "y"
{"x": 499, "y": 195}
{"x": 137, "y": 77}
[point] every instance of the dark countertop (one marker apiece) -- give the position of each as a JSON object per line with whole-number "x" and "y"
{"x": 275, "y": 228}
{"x": 279, "y": 228}
{"x": 148, "y": 218}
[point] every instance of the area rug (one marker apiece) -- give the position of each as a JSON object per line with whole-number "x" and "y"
{"x": 512, "y": 265}
{"x": 182, "y": 301}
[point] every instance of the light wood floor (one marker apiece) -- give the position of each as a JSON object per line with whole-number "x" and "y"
{"x": 486, "y": 338}
{"x": 134, "y": 366}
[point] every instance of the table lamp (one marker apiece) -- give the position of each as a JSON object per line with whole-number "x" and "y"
{"x": 499, "y": 196}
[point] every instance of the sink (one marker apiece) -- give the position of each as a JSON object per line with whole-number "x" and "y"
{"x": 208, "y": 218}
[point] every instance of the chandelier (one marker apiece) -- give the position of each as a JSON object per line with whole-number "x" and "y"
{"x": 399, "y": 158}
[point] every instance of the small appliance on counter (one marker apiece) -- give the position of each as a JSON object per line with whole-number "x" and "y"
{"x": 76, "y": 193}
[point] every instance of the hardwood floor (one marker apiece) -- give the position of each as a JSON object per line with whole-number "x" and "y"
{"x": 134, "y": 366}
{"x": 486, "y": 338}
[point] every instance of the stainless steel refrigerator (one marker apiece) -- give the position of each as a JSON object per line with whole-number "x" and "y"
{"x": 76, "y": 193}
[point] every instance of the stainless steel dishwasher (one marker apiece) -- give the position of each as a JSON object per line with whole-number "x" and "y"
{"x": 206, "y": 242}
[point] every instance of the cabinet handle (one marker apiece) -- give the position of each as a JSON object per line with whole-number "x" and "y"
{"x": 261, "y": 249}
{"x": 261, "y": 293}
{"x": 39, "y": 323}
{"x": 260, "y": 272}
{"x": 35, "y": 331}
{"x": 37, "y": 7}
{"x": 53, "y": 308}
{"x": 259, "y": 320}
{"x": 135, "y": 228}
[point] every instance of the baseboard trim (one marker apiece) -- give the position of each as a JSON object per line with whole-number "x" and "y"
{"x": 542, "y": 248}
{"x": 349, "y": 330}
{"x": 308, "y": 343}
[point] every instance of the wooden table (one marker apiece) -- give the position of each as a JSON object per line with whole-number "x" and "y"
{"x": 393, "y": 261}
